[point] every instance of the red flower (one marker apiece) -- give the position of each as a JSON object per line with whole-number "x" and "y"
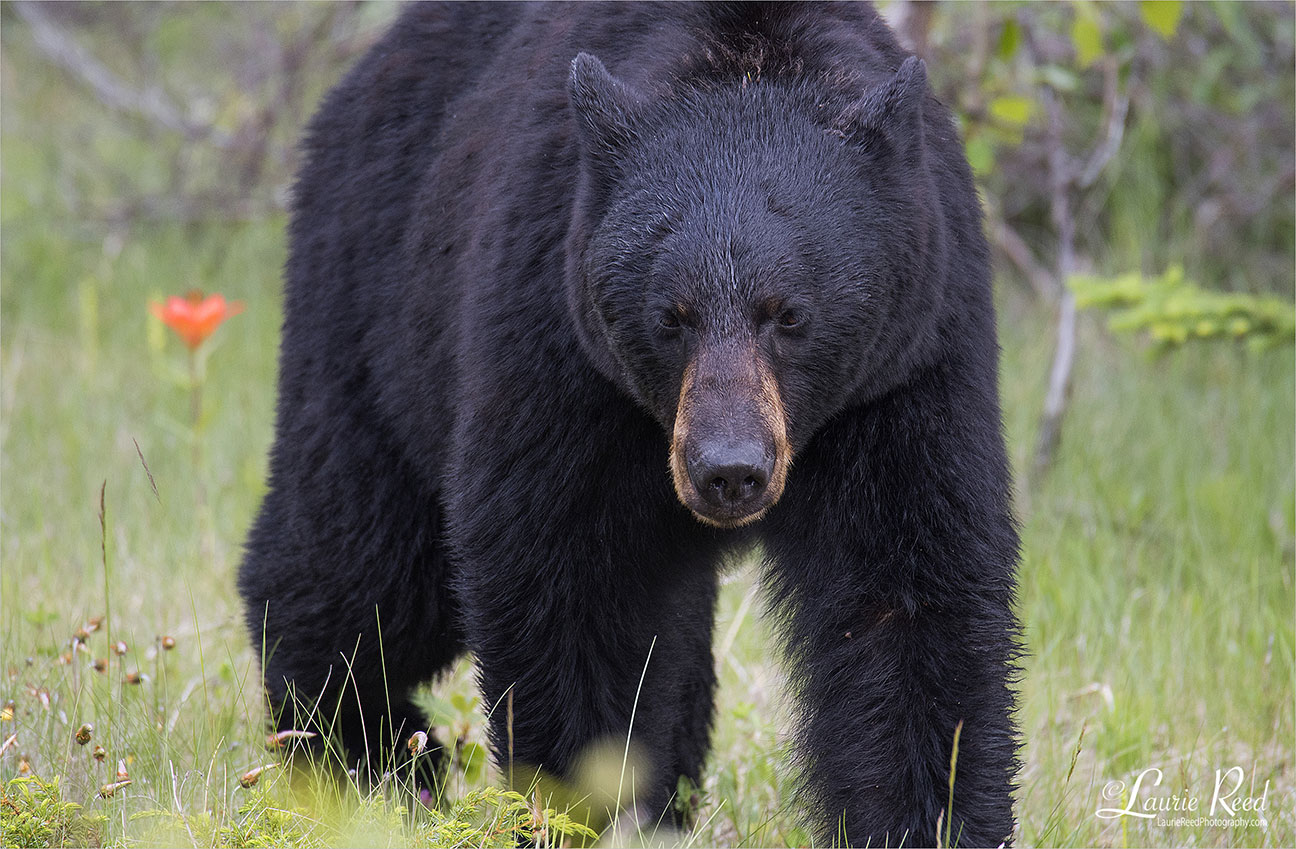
{"x": 194, "y": 317}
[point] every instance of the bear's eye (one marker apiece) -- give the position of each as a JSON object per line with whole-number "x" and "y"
{"x": 669, "y": 320}
{"x": 789, "y": 319}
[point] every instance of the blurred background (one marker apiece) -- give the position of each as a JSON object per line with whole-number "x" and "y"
{"x": 1137, "y": 171}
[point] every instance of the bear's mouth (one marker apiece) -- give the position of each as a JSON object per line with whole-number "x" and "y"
{"x": 729, "y": 450}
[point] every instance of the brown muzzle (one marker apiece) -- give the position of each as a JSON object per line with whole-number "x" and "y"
{"x": 729, "y": 453}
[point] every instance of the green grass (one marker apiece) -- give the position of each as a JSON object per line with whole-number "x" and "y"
{"x": 1156, "y": 582}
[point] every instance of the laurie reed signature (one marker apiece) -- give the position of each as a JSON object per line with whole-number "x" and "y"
{"x": 1226, "y": 799}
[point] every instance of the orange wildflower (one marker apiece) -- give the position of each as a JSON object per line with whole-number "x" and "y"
{"x": 194, "y": 317}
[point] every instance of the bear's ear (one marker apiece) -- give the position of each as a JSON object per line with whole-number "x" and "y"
{"x": 606, "y": 109}
{"x": 891, "y": 112}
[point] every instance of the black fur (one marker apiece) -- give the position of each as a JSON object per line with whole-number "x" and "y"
{"x": 478, "y": 390}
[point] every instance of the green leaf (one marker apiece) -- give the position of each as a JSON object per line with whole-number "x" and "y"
{"x": 1086, "y": 35}
{"x": 1162, "y": 16}
{"x": 980, "y": 154}
{"x": 472, "y": 760}
{"x": 1009, "y": 39}
{"x": 1012, "y": 109}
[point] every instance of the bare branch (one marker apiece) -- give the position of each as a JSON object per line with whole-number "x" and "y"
{"x": 1065, "y": 176}
{"x": 1116, "y": 108}
{"x": 1013, "y": 246}
{"x": 1061, "y": 170}
{"x": 152, "y": 104}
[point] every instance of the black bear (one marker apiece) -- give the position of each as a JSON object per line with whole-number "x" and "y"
{"x": 582, "y": 299}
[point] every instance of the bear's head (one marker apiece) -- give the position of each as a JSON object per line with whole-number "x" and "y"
{"x": 748, "y": 259}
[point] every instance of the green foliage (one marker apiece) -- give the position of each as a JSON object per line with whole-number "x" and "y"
{"x": 1161, "y": 16}
{"x": 1013, "y": 109}
{"x": 688, "y": 798}
{"x": 492, "y": 817}
{"x": 261, "y": 824}
{"x": 33, "y": 813}
{"x": 1086, "y": 35}
{"x": 471, "y": 759}
{"x": 485, "y": 817}
{"x": 1173, "y": 310}
{"x": 1203, "y": 172}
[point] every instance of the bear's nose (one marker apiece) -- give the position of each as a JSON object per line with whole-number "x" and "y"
{"x": 731, "y": 476}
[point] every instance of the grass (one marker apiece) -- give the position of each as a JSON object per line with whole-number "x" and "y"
{"x": 1156, "y": 584}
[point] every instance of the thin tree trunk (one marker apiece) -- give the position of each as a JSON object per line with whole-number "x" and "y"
{"x": 1066, "y": 176}
{"x": 1059, "y": 388}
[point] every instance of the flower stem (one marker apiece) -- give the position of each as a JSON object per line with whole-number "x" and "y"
{"x": 195, "y": 418}
{"x": 195, "y": 435}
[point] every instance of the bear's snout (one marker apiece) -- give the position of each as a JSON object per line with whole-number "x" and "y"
{"x": 729, "y": 452}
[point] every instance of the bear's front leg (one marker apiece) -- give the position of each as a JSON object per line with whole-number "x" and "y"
{"x": 574, "y": 666}
{"x": 587, "y": 594}
{"x": 892, "y": 559}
